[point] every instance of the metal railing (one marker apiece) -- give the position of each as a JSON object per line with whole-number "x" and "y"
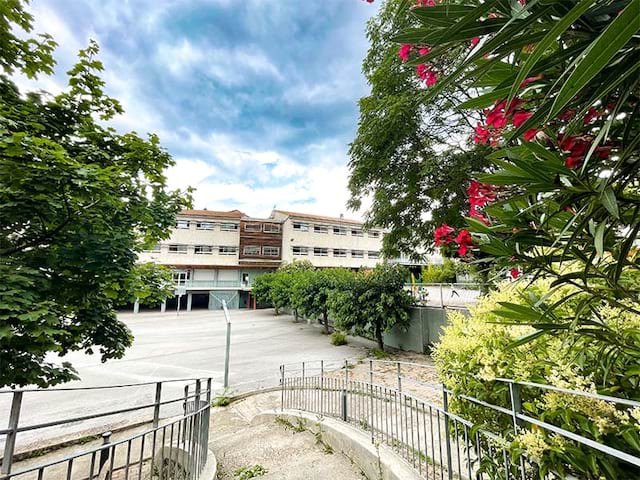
{"x": 215, "y": 284}
{"x": 444, "y": 294}
{"x": 169, "y": 447}
{"x": 399, "y": 411}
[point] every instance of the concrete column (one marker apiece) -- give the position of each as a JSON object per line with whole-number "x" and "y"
{"x": 189, "y": 300}
{"x": 163, "y": 306}
{"x": 136, "y": 306}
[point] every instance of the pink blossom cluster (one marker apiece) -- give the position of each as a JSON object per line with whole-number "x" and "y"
{"x": 498, "y": 117}
{"x": 446, "y": 235}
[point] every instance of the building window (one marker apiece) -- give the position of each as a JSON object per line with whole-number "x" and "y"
{"x": 300, "y": 251}
{"x": 223, "y": 250}
{"x": 270, "y": 251}
{"x": 302, "y": 227}
{"x": 271, "y": 228}
{"x": 182, "y": 249}
{"x": 252, "y": 227}
{"x": 373, "y": 234}
{"x": 251, "y": 250}
{"x": 373, "y": 254}
{"x": 320, "y": 229}
{"x": 181, "y": 277}
{"x": 228, "y": 227}
{"x": 182, "y": 224}
{"x": 339, "y": 252}
{"x": 339, "y": 231}
{"x": 203, "y": 250}
{"x": 357, "y": 254}
{"x": 204, "y": 226}
{"x": 356, "y": 232}
{"x": 320, "y": 252}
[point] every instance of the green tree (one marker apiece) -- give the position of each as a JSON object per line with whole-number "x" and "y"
{"x": 373, "y": 301}
{"x": 261, "y": 288}
{"x": 313, "y": 290}
{"x": 149, "y": 283}
{"x": 439, "y": 273}
{"x": 77, "y": 201}
{"x": 394, "y": 160}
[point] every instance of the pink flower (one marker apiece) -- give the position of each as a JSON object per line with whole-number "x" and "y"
{"x": 522, "y": 2}
{"x": 426, "y": 74}
{"x": 405, "y": 51}
{"x": 477, "y": 214}
{"x": 475, "y": 41}
{"x": 530, "y": 134}
{"x": 519, "y": 118}
{"x": 515, "y": 273}
{"x": 424, "y": 50}
{"x": 464, "y": 241}
{"x": 425, "y": 3}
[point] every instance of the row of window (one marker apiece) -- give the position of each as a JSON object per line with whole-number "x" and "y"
{"x": 224, "y": 227}
{"x": 199, "y": 249}
{"x": 262, "y": 227}
{"x": 336, "y": 252}
{"x": 267, "y": 251}
{"x": 335, "y": 229}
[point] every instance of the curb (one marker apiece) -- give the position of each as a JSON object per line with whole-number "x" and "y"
{"x": 376, "y": 461}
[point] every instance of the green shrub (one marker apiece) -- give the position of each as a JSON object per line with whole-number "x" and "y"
{"x": 476, "y": 350}
{"x": 378, "y": 354}
{"x": 221, "y": 401}
{"x": 338, "y": 338}
{"x": 439, "y": 273}
{"x": 246, "y": 473}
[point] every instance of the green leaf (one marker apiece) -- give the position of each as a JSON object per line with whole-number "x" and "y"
{"x": 608, "y": 199}
{"x": 599, "y": 238}
{"x": 550, "y": 38}
{"x": 599, "y": 54}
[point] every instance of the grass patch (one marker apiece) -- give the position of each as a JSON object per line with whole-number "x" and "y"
{"x": 221, "y": 401}
{"x": 378, "y": 354}
{"x": 338, "y": 338}
{"x": 252, "y": 471}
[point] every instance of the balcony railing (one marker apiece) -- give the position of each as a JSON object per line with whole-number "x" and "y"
{"x": 214, "y": 284}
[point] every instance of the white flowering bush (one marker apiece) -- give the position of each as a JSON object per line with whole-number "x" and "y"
{"x": 477, "y": 349}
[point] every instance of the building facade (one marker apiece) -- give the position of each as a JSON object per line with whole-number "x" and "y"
{"x": 216, "y": 256}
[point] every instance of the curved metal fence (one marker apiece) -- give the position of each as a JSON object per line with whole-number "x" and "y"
{"x": 412, "y": 417}
{"x": 167, "y": 441}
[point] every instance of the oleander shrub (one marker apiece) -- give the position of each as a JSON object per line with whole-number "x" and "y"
{"x": 477, "y": 349}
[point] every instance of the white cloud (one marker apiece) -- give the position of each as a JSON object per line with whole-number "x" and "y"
{"x": 188, "y": 172}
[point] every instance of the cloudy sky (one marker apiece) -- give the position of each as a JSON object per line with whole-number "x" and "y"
{"x": 256, "y": 100}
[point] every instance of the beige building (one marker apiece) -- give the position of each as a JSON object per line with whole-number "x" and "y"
{"x": 216, "y": 255}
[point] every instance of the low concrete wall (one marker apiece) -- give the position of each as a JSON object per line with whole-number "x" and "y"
{"x": 376, "y": 461}
{"x": 424, "y": 330}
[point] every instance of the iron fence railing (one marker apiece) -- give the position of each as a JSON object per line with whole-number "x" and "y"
{"x": 166, "y": 447}
{"x": 399, "y": 411}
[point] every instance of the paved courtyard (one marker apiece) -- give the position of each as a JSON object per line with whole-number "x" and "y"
{"x": 170, "y": 346}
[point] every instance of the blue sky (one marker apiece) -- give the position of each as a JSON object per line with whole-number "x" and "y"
{"x": 256, "y": 100}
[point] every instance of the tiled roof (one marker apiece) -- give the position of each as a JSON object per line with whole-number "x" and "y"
{"x": 321, "y": 218}
{"x": 237, "y": 214}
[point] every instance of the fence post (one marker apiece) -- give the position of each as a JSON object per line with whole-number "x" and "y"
{"x": 156, "y": 408}
{"x": 516, "y": 408}
{"x": 304, "y": 394}
{"x": 399, "y": 379}
{"x": 447, "y": 441}
{"x": 228, "y": 344}
{"x": 322, "y": 387}
{"x": 344, "y": 390}
{"x": 371, "y": 399}
{"x": 104, "y": 453}
{"x": 10, "y": 442}
{"x": 281, "y": 387}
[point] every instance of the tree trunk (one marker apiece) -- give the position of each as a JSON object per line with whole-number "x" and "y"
{"x": 295, "y": 314}
{"x": 379, "y": 338}
{"x": 325, "y": 320}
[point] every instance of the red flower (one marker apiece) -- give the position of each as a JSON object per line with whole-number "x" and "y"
{"x": 482, "y": 134}
{"x": 477, "y": 214}
{"x": 405, "y": 51}
{"x": 529, "y": 80}
{"x": 480, "y": 193}
{"x": 426, "y": 74}
{"x": 464, "y": 241}
{"x": 425, "y": 3}
{"x": 591, "y": 114}
{"x": 530, "y": 134}
{"x": 573, "y": 161}
{"x": 442, "y": 234}
{"x": 424, "y": 50}
{"x": 567, "y": 115}
{"x": 515, "y": 273}
{"x": 519, "y": 118}
{"x": 475, "y": 41}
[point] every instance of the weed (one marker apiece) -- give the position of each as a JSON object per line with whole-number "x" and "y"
{"x": 338, "y": 338}
{"x": 246, "y": 473}
{"x": 300, "y": 426}
{"x": 379, "y": 354}
{"x": 221, "y": 401}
